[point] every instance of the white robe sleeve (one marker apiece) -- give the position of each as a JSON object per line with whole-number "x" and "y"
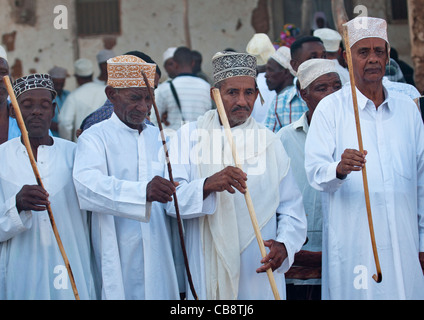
{"x": 320, "y": 165}
{"x": 13, "y": 223}
{"x": 420, "y": 179}
{"x": 101, "y": 193}
{"x": 190, "y": 190}
{"x": 291, "y": 220}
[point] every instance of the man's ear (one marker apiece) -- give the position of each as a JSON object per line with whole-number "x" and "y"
{"x": 54, "y": 109}
{"x": 12, "y": 112}
{"x": 111, "y": 93}
{"x": 212, "y": 97}
{"x": 304, "y": 95}
{"x": 293, "y": 63}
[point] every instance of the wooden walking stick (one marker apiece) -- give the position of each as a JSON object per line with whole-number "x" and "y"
{"x": 249, "y": 202}
{"x": 171, "y": 178}
{"x": 378, "y": 277}
{"x": 27, "y": 144}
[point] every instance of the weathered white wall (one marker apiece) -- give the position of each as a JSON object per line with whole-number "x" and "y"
{"x": 148, "y": 26}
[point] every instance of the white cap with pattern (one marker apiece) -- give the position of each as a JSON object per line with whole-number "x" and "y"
{"x": 312, "y": 69}
{"x": 283, "y": 57}
{"x": 366, "y": 27}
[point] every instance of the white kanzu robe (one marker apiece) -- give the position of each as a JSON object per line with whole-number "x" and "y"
{"x": 132, "y": 244}
{"x": 31, "y": 265}
{"x": 394, "y": 138}
{"x": 222, "y": 248}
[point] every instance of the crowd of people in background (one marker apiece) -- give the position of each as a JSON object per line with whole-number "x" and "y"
{"x": 290, "y": 107}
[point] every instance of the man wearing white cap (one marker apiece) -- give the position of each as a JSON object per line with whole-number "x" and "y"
{"x": 118, "y": 176}
{"x": 262, "y": 48}
{"x": 220, "y": 240}
{"x": 102, "y": 57}
{"x": 81, "y": 102}
{"x": 184, "y": 98}
{"x": 279, "y": 76}
{"x": 169, "y": 63}
{"x": 332, "y": 40}
{"x": 318, "y": 78}
{"x": 393, "y": 137}
{"x": 58, "y": 76}
{"x": 289, "y": 106}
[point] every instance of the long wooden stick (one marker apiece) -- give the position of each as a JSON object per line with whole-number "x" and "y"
{"x": 378, "y": 277}
{"x": 249, "y": 202}
{"x": 171, "y": 178}
{"x": 27, "y": 144}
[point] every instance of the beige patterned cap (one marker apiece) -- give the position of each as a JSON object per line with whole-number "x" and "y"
{"x": 283, "y": 57}
{"x": 126, "y": 72}
{"x": 366, "y": 27}
{"x": 312, "y": 69}
{"x": 261, "y": 47}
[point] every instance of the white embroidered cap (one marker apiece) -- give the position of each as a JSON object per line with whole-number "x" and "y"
{"x": 312, "y": 69}
{"x": 366, "y": 27}
{"x": 331, "y": 38}
{"x": 169, "y": 53}
{"x": 261, "y": 47}
{"x": 3, "y": 53}
{"x": 283, "y": 57}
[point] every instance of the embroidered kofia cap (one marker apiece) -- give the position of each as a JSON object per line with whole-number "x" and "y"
{"x": 233, "y": 64}
{"x": 126, "y": 72}
{"x": 283, "y": 57}
{"x": 33, "y": 82}
{"x": 261, "y": 47}
{"x": 312, "y": 69}
{"x": 331, "y": 38}
{"x": 366, "y": 27}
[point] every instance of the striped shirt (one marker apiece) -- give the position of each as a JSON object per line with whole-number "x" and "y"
{"x": 194, "y": 96}
{"x": 286, "y": 108}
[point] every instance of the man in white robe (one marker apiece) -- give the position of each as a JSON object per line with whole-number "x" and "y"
{"x": 31, "y": 265}
{"x": 317, "y": 79}
{"x": 393, "y": 139}
{"x": 117, "y": 175}
{"x": 224, "y": 256}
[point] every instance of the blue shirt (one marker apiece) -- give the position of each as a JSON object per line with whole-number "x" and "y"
{"x": 286, "y": 108}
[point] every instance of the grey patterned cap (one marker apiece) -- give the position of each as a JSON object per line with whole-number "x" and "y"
{"x": 233, "y": 64}
{"x": 32, "y": 82}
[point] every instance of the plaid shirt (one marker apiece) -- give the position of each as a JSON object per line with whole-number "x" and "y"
{"x": 286, "y": 108}
{"x": 101, "y": 114}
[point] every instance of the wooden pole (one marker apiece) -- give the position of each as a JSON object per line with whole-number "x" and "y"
{"x": 187, "y": 24}
{"x": 171, "y": 178}
{"x": 27, "y": 144}
{"x": 378, "y": 277}
{"x": 249, "y": 202}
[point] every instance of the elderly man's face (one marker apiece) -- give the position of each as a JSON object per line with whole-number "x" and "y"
{"x": 369, "y": 58}
{"x": 320, "y": 88}
{"x": 37, "y": 110}
{"x": 238, "y": 96}
{"x": 131, "y": 105}
{"x": 275, "y": 75}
